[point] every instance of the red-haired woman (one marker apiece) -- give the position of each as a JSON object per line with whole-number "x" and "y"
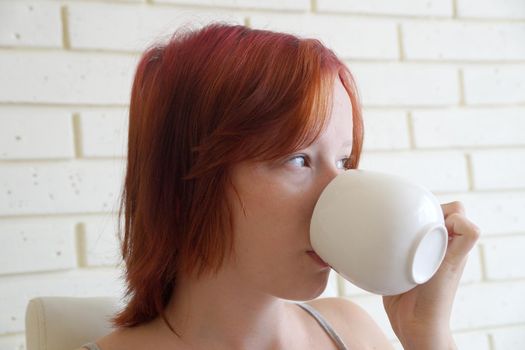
{"x": 233, "y": 134}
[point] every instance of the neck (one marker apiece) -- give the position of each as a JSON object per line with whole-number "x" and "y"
{"x": 220, "y": 309}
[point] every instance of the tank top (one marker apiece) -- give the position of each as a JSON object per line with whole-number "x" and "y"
{"x": 312, "y": 311}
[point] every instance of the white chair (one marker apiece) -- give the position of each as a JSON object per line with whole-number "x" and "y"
{"x": 65, "y": 323}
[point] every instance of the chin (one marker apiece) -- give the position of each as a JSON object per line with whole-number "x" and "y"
{"x": 308, "y": 289}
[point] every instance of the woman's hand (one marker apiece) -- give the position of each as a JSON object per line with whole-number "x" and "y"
{"x": 420, "y": 317}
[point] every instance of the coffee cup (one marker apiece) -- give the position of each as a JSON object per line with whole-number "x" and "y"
{"x": 379, "y": 231}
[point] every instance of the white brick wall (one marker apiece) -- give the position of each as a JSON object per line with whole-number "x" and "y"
{"x": 36, "y": 247}
{"x": 342, "y": 35}
{"x": 442, "y": 83}
{"x": 386, "y": 130}
{"x": 30, "y": 24}
{"x": 438, "y": 171}
{"x": 406, "y": 85}
{"x": 504, "y": 9}
{"x": 494, "y": 85}
{"x": 432, "y": 40}
{"x": 501, "y": 169}
{"x": 504, "y": 258}
{"x": 65, "y": 77}
{"x": 497, "y": 213}
{"x": 509, "y": 338}
{"x": 300, "y": 5}
{"x": 469, "y": 127}
{"x": 400, "y": 7}
{"x": 103, "y": 133}
{"x": 21, "y": 135}
{"x": 138, "y": 25}
{"x": 59, "y": 187}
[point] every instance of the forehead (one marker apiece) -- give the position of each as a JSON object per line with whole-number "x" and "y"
{"x": 340, "y": 122}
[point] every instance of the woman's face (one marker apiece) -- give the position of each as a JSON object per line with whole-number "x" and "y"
{"x": 272, "y": 230}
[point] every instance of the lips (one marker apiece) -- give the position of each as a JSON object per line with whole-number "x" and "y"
{"x": 317, "y": 258}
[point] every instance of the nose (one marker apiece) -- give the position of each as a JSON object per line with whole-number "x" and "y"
{"x": 329, "y": 172}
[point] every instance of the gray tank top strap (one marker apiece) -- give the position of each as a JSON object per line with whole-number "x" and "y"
{"x": 90, "y": 346}
{"x": 326, "y": 326}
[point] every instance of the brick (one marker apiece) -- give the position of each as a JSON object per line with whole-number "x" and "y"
{"x": 402, "y": 8}
{"x": 60, "y": 77}
{"x": 494, "y": 213}
{"x": 504, "y": 257}
{"x": 505, "y": 9}
{"x": 385, "y": 130}
{"x": 502, "y": 304}
{"x": 104, "y": 133}
{"x": 499, "y": 169}
{"x": 34, "y": 24}
{"x": 286, "y": 5}
{"x": 463, "y": 41}
{"x": 397, "y": 84}
{"x": 469, "y": 127}
{"x": 16, "y": 291}
{"x": 62, "y": 187}
{"x": 380, "y": 40}
{"x": 101, "y": 246}
{"x": 92, "y": 25}
{"x": 30, "y": 133}
{"x": 511, "y": 338}
{"x": 494, "y": 85}
{"x": 476, "y": 340}
{"x": 437, "y": 171}
{"x": 36, "y": 247}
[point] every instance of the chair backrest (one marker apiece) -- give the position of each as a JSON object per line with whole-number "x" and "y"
{"x": 65, "y": 323}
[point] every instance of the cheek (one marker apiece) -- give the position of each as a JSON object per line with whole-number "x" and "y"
{"x": 273, "y": 213}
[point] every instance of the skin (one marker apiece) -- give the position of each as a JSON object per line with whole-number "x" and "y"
{"x": 242, "y": 306}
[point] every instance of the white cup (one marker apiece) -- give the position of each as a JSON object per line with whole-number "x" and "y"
{"x": 381, "y": 232}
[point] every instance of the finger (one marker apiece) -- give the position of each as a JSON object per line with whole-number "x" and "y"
{"x": 453, "y": 207}
{"x": 463, "y": 235}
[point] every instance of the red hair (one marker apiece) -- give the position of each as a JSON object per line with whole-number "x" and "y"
{"x": 200, "y": 103}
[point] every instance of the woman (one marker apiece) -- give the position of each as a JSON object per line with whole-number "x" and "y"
{"x": 233, "y": 135}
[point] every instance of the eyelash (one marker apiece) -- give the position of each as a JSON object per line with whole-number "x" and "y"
{"x": 307, "y": 160}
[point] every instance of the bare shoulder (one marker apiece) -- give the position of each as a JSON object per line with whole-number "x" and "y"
{"x": 136, "y": 338}
{"x": 352, "y": 323}
{"x": 119, "y": 339}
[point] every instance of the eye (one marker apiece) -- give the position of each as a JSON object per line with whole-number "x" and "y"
{"x": 300, "y": 161}
{"x": 341, "y": 163}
